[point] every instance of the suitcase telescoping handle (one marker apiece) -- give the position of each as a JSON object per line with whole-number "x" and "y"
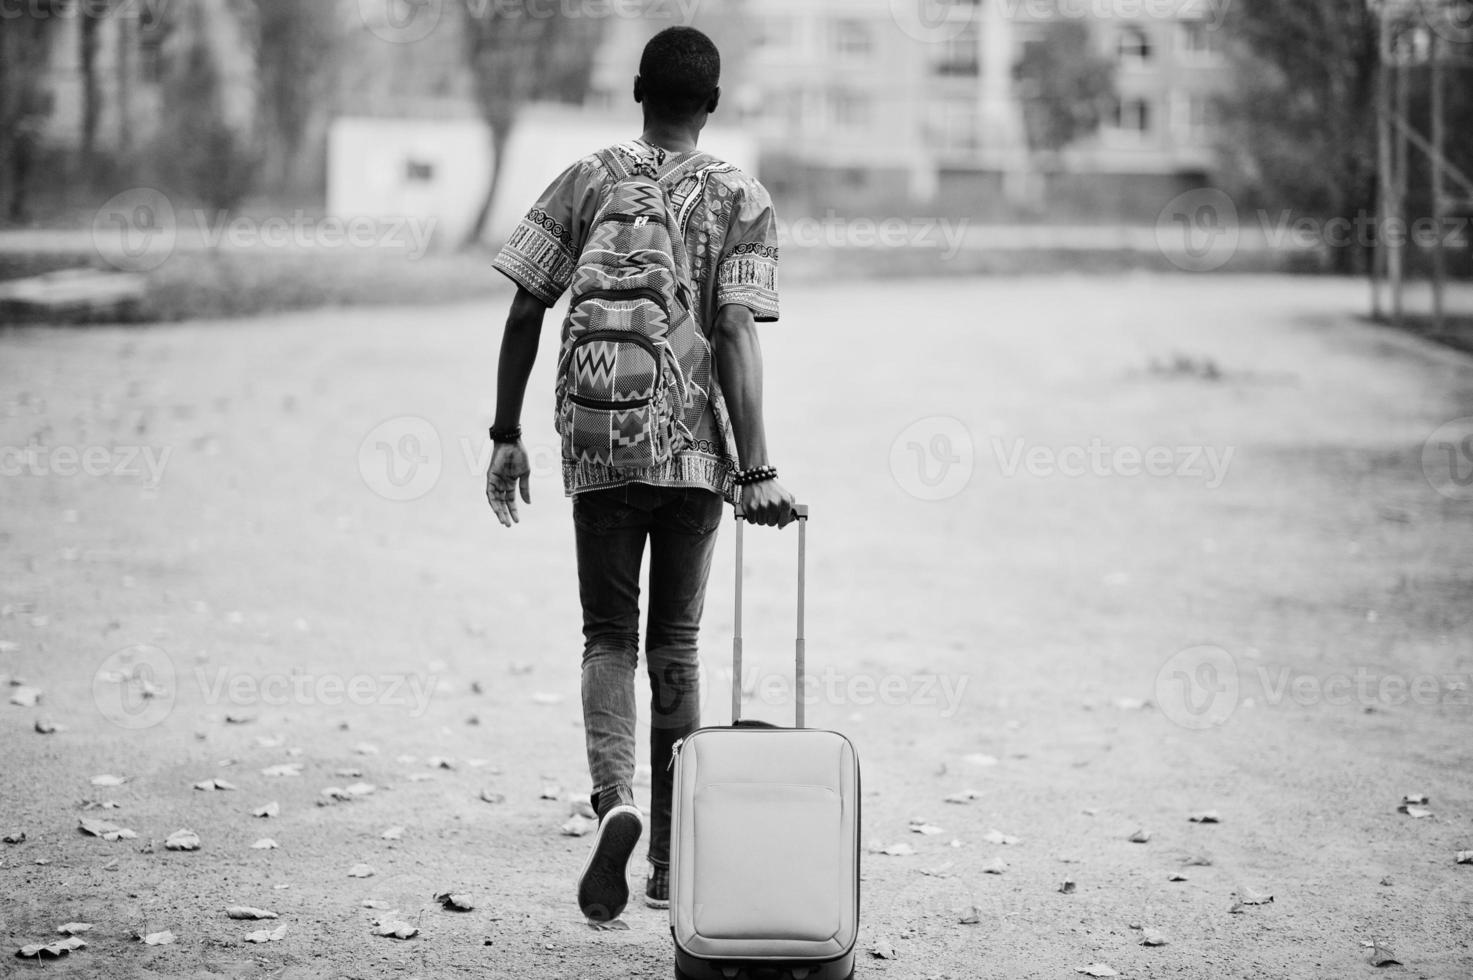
{"x": 801, "y": 513}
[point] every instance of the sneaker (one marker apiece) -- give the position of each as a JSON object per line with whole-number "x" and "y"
{"x": 603, "y": 888}
{"x": 657, "y": 888}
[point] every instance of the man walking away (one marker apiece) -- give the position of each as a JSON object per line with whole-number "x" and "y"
{"x": 645, "y": 467}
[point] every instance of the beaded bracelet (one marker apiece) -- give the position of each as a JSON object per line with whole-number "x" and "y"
{"x": 757, "y": 474}
{"x": 512, "y": 434}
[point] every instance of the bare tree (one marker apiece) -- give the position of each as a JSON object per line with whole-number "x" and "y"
{"x": 1066, "y": 86}
{"x": 297, "y": 45}
{"x": 515, "y": 57}
{"x": 25, "y": 49}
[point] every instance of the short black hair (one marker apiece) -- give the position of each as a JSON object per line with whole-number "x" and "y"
{"x": 679, "y": 72}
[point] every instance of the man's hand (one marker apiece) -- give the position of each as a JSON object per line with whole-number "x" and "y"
{"x": 509, "y": 468}
{"x": 768, "y": 504}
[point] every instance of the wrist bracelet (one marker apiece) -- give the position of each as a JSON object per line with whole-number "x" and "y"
{"x": 511, "y": 434}
{"x": 757, "y": 474}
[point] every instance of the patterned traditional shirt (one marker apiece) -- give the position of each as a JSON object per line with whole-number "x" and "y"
{"x": 730, "y": 235}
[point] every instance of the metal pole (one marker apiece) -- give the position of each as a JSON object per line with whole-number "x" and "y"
{"x": 1380, "y": 260}
{"x": 1439, "y": 145}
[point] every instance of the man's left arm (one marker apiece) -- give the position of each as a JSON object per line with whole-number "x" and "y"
{"x": 510, "y": 468}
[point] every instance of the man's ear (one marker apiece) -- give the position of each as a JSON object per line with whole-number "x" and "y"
{"x": 715, "y": 98}
{"x": 638, "y": 89}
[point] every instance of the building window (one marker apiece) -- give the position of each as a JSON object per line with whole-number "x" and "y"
{"x": 1194, "y": 117}
{"x": 848, "y": 110}
{"x": 1196, "y": 40}
{"x": 1133, "y": 47}
{"x": 1133, "y": 116}
{"x": 960, "y": 56}
{"x": 852, "y": 39}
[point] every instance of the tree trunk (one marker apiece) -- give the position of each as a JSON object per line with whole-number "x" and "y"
{"x": 91, "y": 95}
{"x": 500, "y": 137}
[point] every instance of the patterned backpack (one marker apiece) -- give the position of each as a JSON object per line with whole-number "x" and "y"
{"x": 633, "y": 356}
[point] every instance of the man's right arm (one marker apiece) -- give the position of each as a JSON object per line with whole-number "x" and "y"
{"x": 739, "y": 369}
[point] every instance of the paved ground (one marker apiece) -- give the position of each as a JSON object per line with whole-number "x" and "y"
{"x": 1274, "y": 627}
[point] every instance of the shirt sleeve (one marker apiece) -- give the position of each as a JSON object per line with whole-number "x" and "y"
{"x": 542, "y": 252}
{"x": 747, "y": 272}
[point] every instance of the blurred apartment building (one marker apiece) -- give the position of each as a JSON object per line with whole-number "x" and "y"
{"x": 862, "y": 103}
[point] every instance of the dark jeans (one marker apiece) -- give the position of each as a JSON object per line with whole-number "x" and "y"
{"x": 612, "y": 528}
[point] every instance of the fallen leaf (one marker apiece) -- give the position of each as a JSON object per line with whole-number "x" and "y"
{"x": 1198, "y": 861}
{"x": 336, "y": 793}
{"x": 1130, "y": 704}
{"x": 210, "y": 785}
{"x": 964, "y": 796}
{"x": 105, "y": 830}
{"x": 249, "y": 912}
{"x": 543, "y": 697}
{"x": 264, "y": 844}
{"x": 882, "y": 950}
{"x": 897, "y": 850}
{"x": 45, "y": 726}
{"x": 107, "y": 780}
{"x": 72, "y": 928}
{"x": 1415, "y": 799}
{"x": 1415, "y": 812}
{"x": 611, "y": 925}
{"x": 394, "y": 929}
{"x": 1096, "y": 970}
{"x": 182, "y": 840}
{"x": 489, "y": 797}
{"x": 239, "y": 719}
{"x": 940, "y": 871}
{"x": 269, "y": 810}
{"x": 551, "y": 791}
{"x": 440, "y": 762}
{"x": 582, "y": 808}
{"x": 1206, "y": 816}
{"x": 1462, "y": 857}
{"x": 101, "y": 805}
{"x": 17, "y": 837}
{"x": 981, "y": 759}
{"x": 361, "y": 789}
{"x": 267, "y": 936}
{"x": 1140, "y": 837}
{"x": 1382, "y": 956}
{"x": 349, "y": 773}
{"x": 578, "y": 826}
{"x": 998, "y": 837}
{"x": 360, "y": 871}
{"x": 972, "y": 917}
{"x": 393, "y": 833}
{"x": 455, "y": 902}
{"x": 373, "y": 903}
{"x": 284, "y": 769}
{"x": 270, "y": 741}
{"x": 25, "y": 697}
{"x": 1151, "y": 937}
{"x": 419, "y": 777}
{"x": 158, "y": 938}
{"x": 1067, "y": 887}
{"x": 996, "y": 866}
{"x": 54, "y": 950}
{"x": 925, "y": 828}
{"x": 1176, "y": 876}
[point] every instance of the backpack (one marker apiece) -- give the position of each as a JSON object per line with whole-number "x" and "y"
{"x": 627, "y": 397}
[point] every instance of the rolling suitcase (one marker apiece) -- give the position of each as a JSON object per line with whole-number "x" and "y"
{"x": 764, "y": 855}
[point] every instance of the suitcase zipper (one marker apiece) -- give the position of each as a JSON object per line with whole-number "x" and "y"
{"x": 674, "y": 751}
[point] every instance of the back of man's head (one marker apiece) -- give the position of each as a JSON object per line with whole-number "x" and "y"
{"x": 679, "y": 72}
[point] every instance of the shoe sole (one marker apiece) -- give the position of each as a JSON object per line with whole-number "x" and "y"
{"x": 657, "y": 903}
{"x": 603, "y": 885}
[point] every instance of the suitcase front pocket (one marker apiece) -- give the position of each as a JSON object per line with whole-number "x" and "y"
{"x": 769, "y": 862}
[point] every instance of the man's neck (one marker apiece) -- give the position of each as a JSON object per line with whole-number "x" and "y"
{"x": 675, "y": 137}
